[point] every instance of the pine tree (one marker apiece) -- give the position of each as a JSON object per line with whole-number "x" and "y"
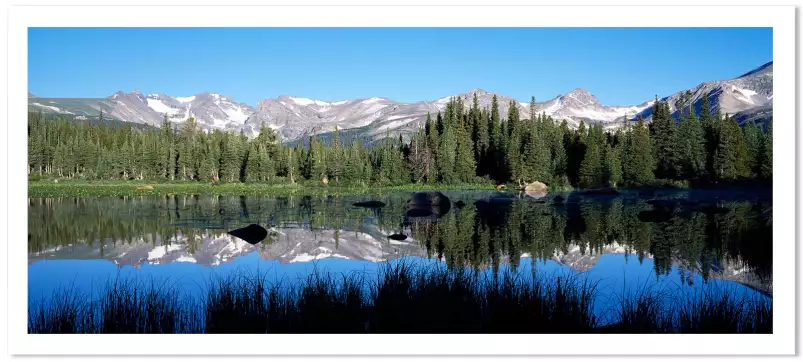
{"x": 447, "y": 149}
{"x": 591, "y": 166}
{"x": 711, "y": 136}
{"x": 433, "y": 142}
{"x": 691, "y": 145}
{"x": 482, "y": 137}
{"x": 514, "y": 144}
{"x": 766, "y": 159}
{"x": 731, "y": 156}
{"x": 664, "y": 140}
{"x": 465, "y": 167}
{"x": 252, "y": 168}
{"x": 335, "y": 161}
{"x": 537, "y": 162}
{"x": 637, "y": 161}
{"x": 613, "y": 166}
{"x": 496, "y": 154}
{"x": 754, "y": 139}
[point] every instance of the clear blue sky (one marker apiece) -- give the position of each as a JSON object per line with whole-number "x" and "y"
{"x": 621, "y": 66}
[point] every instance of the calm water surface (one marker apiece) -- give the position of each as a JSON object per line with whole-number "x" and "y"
{"x": 685, "y": 240}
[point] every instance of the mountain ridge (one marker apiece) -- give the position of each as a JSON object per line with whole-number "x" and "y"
{"x": 748, "y": 96}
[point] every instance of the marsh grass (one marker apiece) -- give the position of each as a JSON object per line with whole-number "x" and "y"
{"x": 400, "y": 298}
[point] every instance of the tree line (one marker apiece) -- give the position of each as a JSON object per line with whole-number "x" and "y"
{"x": 462, "y": 144}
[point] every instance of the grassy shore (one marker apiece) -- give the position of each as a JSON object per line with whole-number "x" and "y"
{"x": 401, "y": 299}
{"x": 78, "y": 188}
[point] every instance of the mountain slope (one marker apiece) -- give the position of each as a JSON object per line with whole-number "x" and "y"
{"x": 748, "y": 96}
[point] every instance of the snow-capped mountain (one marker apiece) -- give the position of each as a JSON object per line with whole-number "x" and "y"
{"x": 210, "y": 110}
{"x": 749, "y": 97}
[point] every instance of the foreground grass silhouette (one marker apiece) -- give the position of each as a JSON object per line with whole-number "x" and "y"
{"x": 403, "y": 298}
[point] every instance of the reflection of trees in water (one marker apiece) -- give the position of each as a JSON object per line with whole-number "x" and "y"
{"x": 693, "y": 241}
{"x": 59, "y": 222}
{"x": 481, "y": 234}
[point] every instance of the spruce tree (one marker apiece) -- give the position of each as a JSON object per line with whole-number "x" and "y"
{"x": 754, "y": 139}
{"x": 433, "y": 142}
{"x": 638, "y": 164}
{"x": 514, "y": 144}
{"x": 692, "y": 148}
{"x": 731, "y": 156}
{"x": 465, "y": 167}
{"x": 766, "y": 159}
{"x": 664, "y": 141}
{"x": 447, "y": 149}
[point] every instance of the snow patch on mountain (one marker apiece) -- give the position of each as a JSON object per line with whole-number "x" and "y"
{"x": 52, "y": 108}
{"x": 158, "y": 106}
{"x": 185, "y": 99}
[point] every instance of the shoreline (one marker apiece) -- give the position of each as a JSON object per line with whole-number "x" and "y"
{"x": 140, "y": 188}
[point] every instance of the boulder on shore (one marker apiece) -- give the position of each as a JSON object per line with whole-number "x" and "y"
{"x": 536, "y": 186}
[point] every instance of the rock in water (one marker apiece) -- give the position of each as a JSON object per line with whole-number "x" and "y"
{"x": 397, "y": 236}
{"x": 370, "y": 204}
{"x": 460, "y": 203}
{"x": 252, "y": 233}
{"x": 431, "y": 203}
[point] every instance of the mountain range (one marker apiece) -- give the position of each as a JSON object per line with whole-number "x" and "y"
{"x": 748, "y": 96}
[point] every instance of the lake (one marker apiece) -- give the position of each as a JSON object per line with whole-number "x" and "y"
{"x": 683, "y": 240}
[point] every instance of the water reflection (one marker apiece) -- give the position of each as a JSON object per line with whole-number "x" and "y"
{"x": 720, "y": 235}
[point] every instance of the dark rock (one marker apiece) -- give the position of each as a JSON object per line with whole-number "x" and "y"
{"x": 460, "y": 203}
{"x": 397, "y": 236}
{"x": 424, "y": 204}
{"x": 370, "y": 204}
{"x": 252, "y": 233}
{"x": 558, "y": 199}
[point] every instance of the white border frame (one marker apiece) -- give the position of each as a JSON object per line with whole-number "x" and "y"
{"x": 780, "y": 18}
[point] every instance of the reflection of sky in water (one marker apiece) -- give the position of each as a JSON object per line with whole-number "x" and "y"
{"x": 612, "y": 273}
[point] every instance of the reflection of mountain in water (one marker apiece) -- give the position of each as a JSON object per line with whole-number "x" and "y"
{"x": 725, "y": 235}
{"x": 287, "y": 245}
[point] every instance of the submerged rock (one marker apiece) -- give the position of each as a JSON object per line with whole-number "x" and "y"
{"x": 424, "y": 204}
{"x": 370, "y": 204}
{"x": 252, "y": 233}
{"x": 460, "y": 203}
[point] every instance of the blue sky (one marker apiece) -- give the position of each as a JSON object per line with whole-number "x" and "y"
{"x": 621, "y": 66}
